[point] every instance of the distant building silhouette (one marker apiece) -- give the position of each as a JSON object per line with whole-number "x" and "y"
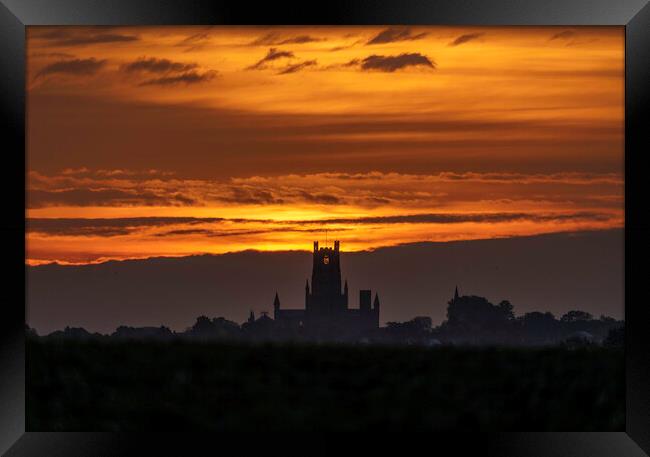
{"x": 471, "y": 320}
{"x": 327, "y": 313}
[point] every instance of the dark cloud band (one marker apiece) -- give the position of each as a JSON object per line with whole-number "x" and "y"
{"x": 125, "y": 226}
{"x": 104, "y": 197}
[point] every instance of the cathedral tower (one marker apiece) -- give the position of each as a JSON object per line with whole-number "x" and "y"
{"x": 326, "y": 296}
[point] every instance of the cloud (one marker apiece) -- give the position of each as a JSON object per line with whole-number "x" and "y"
{"x": 347, "y": 46}
{"x": 195, "y": 41}
{"x": 59, "y": 55}
{"x": 563, "y": 35}
{"x": 190, "y": 77}
{"x": 152, "y": 172}
{"x": 393, "y": 34}
{"x": 108, "y": 172}
{"x": 352, "y": 63}
{"x": 337, "y": 66}
{"x": 78, "y": 67}
{"x": 457, "y": 218}
{"x": 62, "y": 37}
{"x": 180, "y": 226}
{"x": 75, "y": 171}
{"x": 83, "y": 187}
{"x": 297, "y": 67}
{"x": 572, "y": 38}
{"x": 173, "y": 72}
{"x": 274, "y": 38}
{"x": 154, "y": 65}
{"x": 219, "y": 233}
{"x": 211, "y": 233}
{"x": 184, "y": 232}
{"x": 563, "y": 178}
{"x": 393, "y": 63}
{"x": 466, "y": 38}
{"x": 327, "y": 199}
{"x": 271, "y": 55}
{"x": 265, "y": 40}
{"x": 104, "y": 197}
{"x": 220, "y": 227}
{"x": 250, "y": 195}
{"x": 301, "y": 39}
{"x": 97, "y": 39}
{"x": 105, "y": 227}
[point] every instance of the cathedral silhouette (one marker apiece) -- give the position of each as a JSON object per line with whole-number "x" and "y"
{"x": 326, "y": 311}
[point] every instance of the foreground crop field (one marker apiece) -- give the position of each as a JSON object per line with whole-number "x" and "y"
{"x": 200, "y": 386}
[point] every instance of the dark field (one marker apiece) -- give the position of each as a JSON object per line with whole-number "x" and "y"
{"x": 197, "y": 386}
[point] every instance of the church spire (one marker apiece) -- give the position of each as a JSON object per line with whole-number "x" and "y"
{"x": 456, "y": 293}
{"x": 375, "y": 304}
{"x": 251, "y": 317}
{"x": 276, "y": 301}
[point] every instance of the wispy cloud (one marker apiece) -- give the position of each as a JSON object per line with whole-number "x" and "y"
{"x": 190, "y": 77}
{"x": 196, "y": 41}
{"x": 78, "y": 67}
{"x": 466, "y": 38}
{"x": 67, "y": 38}
{"x": 297, "y": 67}
{"x": 275, "y": 38}
{"x": 59, "y": 55}
{"x": 393, "y": 34}
{"x": 272, "y": 55}
{"x": 563, "y": 35}
{"x": 105, "y": 197}
{"x": 155, "y": 65}
{"x": 171, "y": 72}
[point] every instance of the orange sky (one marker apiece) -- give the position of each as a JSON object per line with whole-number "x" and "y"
{"x": 155, "y": 141}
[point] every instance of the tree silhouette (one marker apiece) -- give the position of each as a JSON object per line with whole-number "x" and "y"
{"x": 576, "y": 316}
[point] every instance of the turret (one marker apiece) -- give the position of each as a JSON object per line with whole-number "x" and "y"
{"x": 336, "y": 246}
{"x": 315, "y": 246}
{"x": 276, "y": 306}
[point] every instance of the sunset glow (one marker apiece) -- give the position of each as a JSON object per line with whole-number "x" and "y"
{"x": 171, "y": 141}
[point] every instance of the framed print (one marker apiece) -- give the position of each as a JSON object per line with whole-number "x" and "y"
{"x": 413, "y": 216}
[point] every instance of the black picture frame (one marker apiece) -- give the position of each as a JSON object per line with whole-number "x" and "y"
{"x": 15, "y": 15}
